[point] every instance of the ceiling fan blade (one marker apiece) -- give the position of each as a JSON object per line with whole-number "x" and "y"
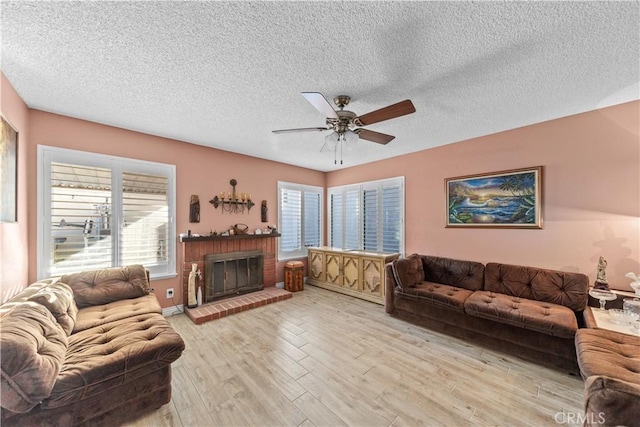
{"x": 321, "y": 104}
{"x": 392, "y": 111}
{"x": 369, "y": 135}
{"x": 299, "y": 130}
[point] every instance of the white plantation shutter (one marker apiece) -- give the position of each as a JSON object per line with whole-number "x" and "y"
{"x": 352, "y": 220}
{"x": 145, "y": 211}
{"x": 299, "y": 219}
{"x": 336, "y": 215}
{"x": 392, "y": 216}
{"x": 290, "y": 220}
{"x": 370, "y": 223}
{"x": 98, "y": 211}
{"x": 311, "y": 219}
{"x": 78, "y": 195}
{"x": 372, "y": 218}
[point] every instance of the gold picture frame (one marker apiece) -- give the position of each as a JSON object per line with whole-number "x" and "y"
{"x": 504, "y": 199}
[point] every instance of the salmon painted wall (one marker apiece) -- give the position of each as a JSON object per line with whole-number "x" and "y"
{"x": 199, "y": 170}
{"x": 591, "y": 199}
{"x": 14, "y": 260}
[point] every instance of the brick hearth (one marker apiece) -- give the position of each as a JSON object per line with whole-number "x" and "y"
{"x": 225, "y": 307}
{"x": 194, "y": 250}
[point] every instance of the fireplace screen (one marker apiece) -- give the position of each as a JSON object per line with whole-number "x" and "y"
{"x": 232, "y": 274}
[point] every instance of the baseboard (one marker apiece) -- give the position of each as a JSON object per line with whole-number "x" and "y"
{"x": 170, "y": 311}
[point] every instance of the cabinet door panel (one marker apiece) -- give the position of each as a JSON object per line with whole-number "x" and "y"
{"x": 333, "y": 269}
{"x": 316, "y": 265}
{"x": 351, "y": 272}
{"x": 372, "y": 276}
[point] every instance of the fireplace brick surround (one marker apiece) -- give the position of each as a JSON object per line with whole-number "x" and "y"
{"x": 195, "y": 249}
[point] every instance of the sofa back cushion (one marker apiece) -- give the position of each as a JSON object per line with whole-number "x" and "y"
{"x": 58, "y": 299}
{"x": 557, "y": 287}
{"x": 33, "y": 350}
{"x": 462, "y": 274}
{"x": 408, "y": 272}
{"x": 103, "y": 286}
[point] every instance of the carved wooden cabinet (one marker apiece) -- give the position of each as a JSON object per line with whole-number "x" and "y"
{"x": 356, "y": 273}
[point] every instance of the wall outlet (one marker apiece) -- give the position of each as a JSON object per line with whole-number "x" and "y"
{"x": 170, "y": 293}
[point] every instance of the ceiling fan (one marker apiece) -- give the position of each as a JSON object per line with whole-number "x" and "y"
{"x": 346, "y": 124}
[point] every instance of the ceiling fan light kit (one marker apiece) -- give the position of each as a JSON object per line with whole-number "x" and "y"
{"x": 347, "y": 125}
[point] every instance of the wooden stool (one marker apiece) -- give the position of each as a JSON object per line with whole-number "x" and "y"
{"x": 294, "y": 276}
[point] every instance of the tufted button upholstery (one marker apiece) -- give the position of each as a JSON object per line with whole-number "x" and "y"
{"x": 108, "y": 355}
{"x": 463, "y": 274}
{"x": 92, "y": 316}
{"x": 610, "y": 353}
{"x": 557, "y": 287}
{"x": 610, "y": 363}
{"x": 547, "y": 318}
{"x": 33, "y": 349}
{"x": 442, "y": 295}
{"x": 107, "y": 285}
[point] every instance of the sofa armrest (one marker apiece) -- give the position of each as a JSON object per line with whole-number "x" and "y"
{"x": 389, "y": 286}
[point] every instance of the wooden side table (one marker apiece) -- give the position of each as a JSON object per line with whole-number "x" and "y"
{"x": 294, "y": 276}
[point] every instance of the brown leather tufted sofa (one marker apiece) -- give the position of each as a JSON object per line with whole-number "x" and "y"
{"x": 610, "y": 365}
{"x": 90, "y": 348}
{"x": 530, "y": 312}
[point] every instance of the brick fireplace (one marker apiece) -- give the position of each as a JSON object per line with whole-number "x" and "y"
{"x": 195, "y": 250}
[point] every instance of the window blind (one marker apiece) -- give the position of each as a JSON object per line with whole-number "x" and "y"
{"x": 98, "y": 211}
{"x": 299, "y": 219}
{"x": 368, "y": 216}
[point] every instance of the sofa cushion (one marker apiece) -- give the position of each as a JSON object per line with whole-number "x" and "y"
{"x": 608, "y": 353}
{"x": 462, "y": 274}
{"x": 90, "y": 317}
{"x": 438, "y": 294}
{"x": 58, "y": 299}
{"x": 109, "y": 355}
{"x": 408, "y": 271}
{"x": 557, "y": 287}
{"x": 548, "y": 318}
{"x": 107, "y": 285}
{"x": 33, "y": 349}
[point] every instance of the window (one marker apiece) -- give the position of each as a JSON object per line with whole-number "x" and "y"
{"x": 368, "y": 216}
{"x": 299, "y": 219}
{"x": 97, "y": 211}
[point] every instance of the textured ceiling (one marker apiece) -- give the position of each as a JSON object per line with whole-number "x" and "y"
{"x": 224, "y": 74}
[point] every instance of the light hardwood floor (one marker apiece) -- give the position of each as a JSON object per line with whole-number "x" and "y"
{"x": 326, "y": 359}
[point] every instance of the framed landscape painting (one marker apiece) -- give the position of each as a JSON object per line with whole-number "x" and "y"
{"x": 8, "y": 171}
{"x": 506, "y": 199}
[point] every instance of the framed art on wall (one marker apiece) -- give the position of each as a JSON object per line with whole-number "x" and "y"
{"x": 505, "y": 199}
{"x": 8, "y": 172}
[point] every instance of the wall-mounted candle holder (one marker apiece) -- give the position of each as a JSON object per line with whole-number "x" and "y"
{"x": 232, "y": 202}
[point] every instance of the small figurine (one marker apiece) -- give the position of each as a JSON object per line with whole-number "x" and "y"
{"x": 601, "y": 278}
{"x": 635, "y": 285}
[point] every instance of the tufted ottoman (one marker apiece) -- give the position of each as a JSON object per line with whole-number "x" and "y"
{"x": 610, "y": 364}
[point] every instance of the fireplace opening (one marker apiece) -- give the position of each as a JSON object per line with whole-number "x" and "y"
{"x": 233, "y": 273}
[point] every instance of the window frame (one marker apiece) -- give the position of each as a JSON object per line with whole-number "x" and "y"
{"x": 302, "y": 253}
{"x": 47, "y": 154}
{"x": 378, "y": 185}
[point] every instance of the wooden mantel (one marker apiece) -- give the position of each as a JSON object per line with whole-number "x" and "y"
{"x": 194, "y": 249}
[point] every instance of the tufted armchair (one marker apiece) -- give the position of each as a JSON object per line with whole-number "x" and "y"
{"x": 87, "y": 348}
{"x": 610, "y": 364}
{"x": 531, "y": 312}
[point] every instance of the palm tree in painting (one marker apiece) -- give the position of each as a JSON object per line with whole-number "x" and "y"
{"x": 522, "y": 187}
